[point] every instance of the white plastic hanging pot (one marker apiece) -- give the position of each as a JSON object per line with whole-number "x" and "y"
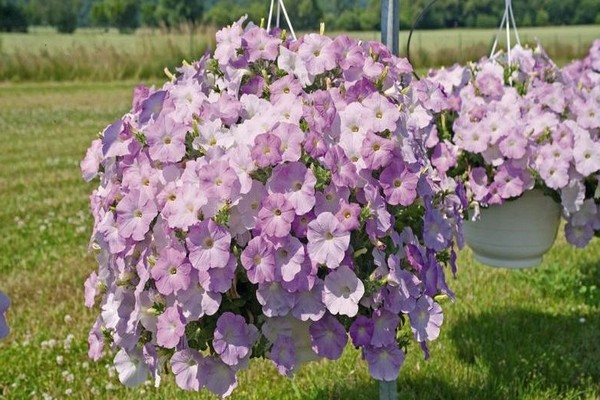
{"x": 515, "y": 234}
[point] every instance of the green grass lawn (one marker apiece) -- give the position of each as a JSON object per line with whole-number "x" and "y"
{"x": 531, "y": 334}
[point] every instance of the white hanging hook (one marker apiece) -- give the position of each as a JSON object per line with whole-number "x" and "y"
{"x": 280, "y": 7}
{"x": 507, "y": 18}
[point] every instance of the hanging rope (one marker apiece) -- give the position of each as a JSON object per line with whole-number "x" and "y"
{"x": 507, "y": 18}
{"x": 280, "y": 8}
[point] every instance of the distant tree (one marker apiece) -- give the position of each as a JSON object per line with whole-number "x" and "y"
{"x": 305, "y": 14}
{"x": 148, "y": 13}
{"x": 12, "y": 18}
{"x": 348, "y": 20}
{"x": 370, "y": 18}
{"x": 173, "y": 13}
{"x": 542, "y": 18}
{"x": 122, "y": 14}
{"x": 63, "y": 14}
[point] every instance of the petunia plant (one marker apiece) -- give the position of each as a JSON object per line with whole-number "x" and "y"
{"x": 274, "y": 199}
{"x": 505, "y": 129}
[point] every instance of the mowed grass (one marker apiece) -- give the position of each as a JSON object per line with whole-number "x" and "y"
{"x": 531, "y": 334}
{"x": 106, "y": 55}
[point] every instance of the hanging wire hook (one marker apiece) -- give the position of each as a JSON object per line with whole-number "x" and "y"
{"x": 412, "y": 28}
{"x": 507, "y": 18}
{"x": 280, "y": 7}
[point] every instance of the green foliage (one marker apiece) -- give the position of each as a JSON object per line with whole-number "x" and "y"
{"x": 122, "y": 14}
{"x": 12, "y": 18}
{"x": 172, "y": 13}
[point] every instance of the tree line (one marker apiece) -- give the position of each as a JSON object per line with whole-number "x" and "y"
{"x": 338, "y": 15}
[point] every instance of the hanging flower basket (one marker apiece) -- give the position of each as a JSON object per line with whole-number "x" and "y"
{"x": 272, "y": 200}
{"x": 515, "y": 234}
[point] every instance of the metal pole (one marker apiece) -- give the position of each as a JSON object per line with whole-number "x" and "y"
{"x": 390, "y": 24}
{"x": 390, "y": 36}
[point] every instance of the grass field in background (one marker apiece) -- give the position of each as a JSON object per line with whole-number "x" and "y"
{"x": 444, "y": 47}
{"x": 531, "y": 334}
{"x": 99, "y": 55}
{"x": 96, "y": 54}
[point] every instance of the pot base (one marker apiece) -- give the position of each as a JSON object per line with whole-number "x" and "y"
{"x": 515, "y": 234}
{"x": 504, "y": 263}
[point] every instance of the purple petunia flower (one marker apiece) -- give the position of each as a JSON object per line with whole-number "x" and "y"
{"x": 426, "y": 319}
{"x": 266, "y": 150}
{"x": 399, "y": 184}
{"x": 289, "y": 256}
{"x": 187, "y": 366}
{"x": 135, "y": 212}
{"x": 4, "y": 304}
{"x": 343, "y": 291}
{"x": 297, "y": 183}
{"x": 381, "y": 112}
{"x": 437, "y": 231}
{"x": 258, "y": 258}
{"x": 376, "y": 151}
{"x": 328, "y": 337}
{"x": 131, "y": 367}
{"x": 170, "y": 328}
{"x": 384, "y": 362}
{"x": 166, "y": 140}
{"x": 208, "y": 243}
{"x": 218, "y": 279}
{"x": 385, "y": 324}
{"x": 348, "y": 215}
{"x": 276, "y": 215}
{"x": 233, "y": 338}
{"x": 361, "y": 331}
{"x": 327, "y": 240}
{"x": 283, "y": 355}
{"x": 172, "y": 271}
{"x": 274, "y": 299}
{"x": 309, "y": 304}
{"x": 196, "y": 302}
{"x": 579, "y": 236}
{"x": 220, "y": 378}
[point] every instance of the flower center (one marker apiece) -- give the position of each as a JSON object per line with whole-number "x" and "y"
{"x": 355, "y": 129}
{"x": 397, "y": 183}
{"x": 167, "y": 140}
{"x": 209, "y": 243}
{"x": 172, "y": 270}
{"x": 257, "y": 259}
{"x": 329, "y": 236}
{"x": 376, "y": 147}
{"x": 298, "y": 186}
{"x": 277, "y": 212}
{"x": 347, "y": 214}
{"x": 379, "y": 115}
{"x": 138, "y": 213}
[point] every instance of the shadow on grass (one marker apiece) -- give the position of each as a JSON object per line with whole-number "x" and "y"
{"x": 528, "y": 351}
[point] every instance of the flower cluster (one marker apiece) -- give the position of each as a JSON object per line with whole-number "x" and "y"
{"x": 270, "y": 200}
{"x": 506, "y": 129}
